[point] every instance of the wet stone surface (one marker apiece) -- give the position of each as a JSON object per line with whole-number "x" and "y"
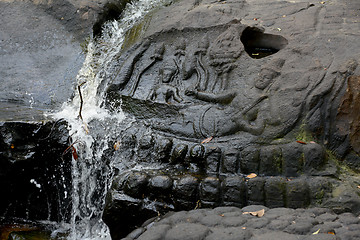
{"x": 235, "y": 223}
{"x": 237, "y": 103}
{"x": 34, "y": 171}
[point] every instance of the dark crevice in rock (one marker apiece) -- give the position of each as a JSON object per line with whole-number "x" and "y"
{"x": 259, "y": 45}
{"x": 112, "y": 11}
{"x": 35, "y": 176}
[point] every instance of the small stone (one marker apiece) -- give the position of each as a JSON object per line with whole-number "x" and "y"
{"x": 186, "y": 187}
{"x": 299, "y": 227}
{"x": 230, "y": 163}
{"x": 135, "y": 184}
{"x": 188, "y": 231}
{"x": 278, "y": 224}
{"x": 271, "y": 161}
{"x": 322, "y": 236}
{"x": 348, "y": 218}
{"x": 213, "y": 157}
{"x": 160, "y": 182}
{"x": 210, "y": 189}
{"x": 179, "y": 153}
{"x": 249, "y": 162}
{"x": 274, "y": 192}
{"x": 276, "y": 235}
{"x": 255, "y": 191}
{"x": 297, "y": 193}
{"x": 163, "y": 149}
{"x": 197, "y": 153}
{"x": 326, "y": 217}
{"x": 233, "y": 233}
{"x": 256, "y": 222}
{"x": 212, "y": 220}
{"x": 156, "y": 232}
{"x": 234, "y": 190}
{"x": 233, "y": 221}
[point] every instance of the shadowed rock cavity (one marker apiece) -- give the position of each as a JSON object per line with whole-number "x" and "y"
{"x": 259, "y": 44}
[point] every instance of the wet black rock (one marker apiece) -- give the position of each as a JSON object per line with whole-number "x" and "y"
{"x": 35, "y": 176}
{"x": 42, "y": 45}
{"x": 186, "y": 188}
{"x": 136, "y": 184}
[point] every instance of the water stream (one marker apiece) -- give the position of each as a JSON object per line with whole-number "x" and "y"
{"x": 91, "y": 171}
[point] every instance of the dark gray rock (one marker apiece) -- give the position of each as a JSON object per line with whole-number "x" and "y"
{"x": 163, "y": 148}
{"x": 297, "y": 193}
{"x": 234, "y": 191}
{"x": 136, "y": 183}
{"x": 213, "y": 157}
{"x": 160, "y": 185}
{"x": 187, "y": 231}
{"x": 250, "y": 160}
{"x": 230, "y": 163}
{"x": 229, "y": 233}
{"x": 186, "y": 188}
{"x": 271, "y": 161}
{"x": 210, "y": 190}
{"x": 235, "y": 223}
{"x": 275, "y": 192}
{"x": 154, "y": 233}
{"x": 256, "y": 193}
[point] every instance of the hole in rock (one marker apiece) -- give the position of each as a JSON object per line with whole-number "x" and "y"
{"x": 259, "y": 45}
{"x": 112, "y": 10}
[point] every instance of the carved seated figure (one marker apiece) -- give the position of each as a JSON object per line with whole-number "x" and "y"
{"x": 165, "y": 92}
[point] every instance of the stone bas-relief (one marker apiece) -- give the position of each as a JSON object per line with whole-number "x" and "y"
{"x": 213, "y": 103}
{"x": 208, "y": 82}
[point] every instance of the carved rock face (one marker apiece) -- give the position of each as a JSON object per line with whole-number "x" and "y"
{"x": 209, "y": 84}
{"x": 226, "y": 95}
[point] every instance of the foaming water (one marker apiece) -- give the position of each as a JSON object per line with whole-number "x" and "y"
{"x": 93, "y": 128}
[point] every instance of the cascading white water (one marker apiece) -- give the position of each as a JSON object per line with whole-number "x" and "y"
{"x": 91, "y": 173}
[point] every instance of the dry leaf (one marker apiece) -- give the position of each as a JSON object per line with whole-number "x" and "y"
{"x": 243, "y": 228}
{"x": 322, "y": 2}
{"x": 74, "y": 153}
{"x": 331, "y": 233}
{"x": 358, "y": 186}
{"x": 317, "y": 232}
{"x": 198, "y": 205}
{"x": 117, "y": 145}
{"x": 312, "y": 142}
{"x": 251, "y": 175}
{"x": 259, "y": 213}
{"x": 301, "y": 142}
{"x": 207, "y": 140}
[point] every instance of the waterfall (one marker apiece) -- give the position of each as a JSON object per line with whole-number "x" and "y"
{"x": 92, "y": 128}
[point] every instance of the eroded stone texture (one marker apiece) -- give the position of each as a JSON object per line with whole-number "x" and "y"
{"x": 348, "y": 118}
{"x": 235, "y": 223}
{"x": 223, "y": 89}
